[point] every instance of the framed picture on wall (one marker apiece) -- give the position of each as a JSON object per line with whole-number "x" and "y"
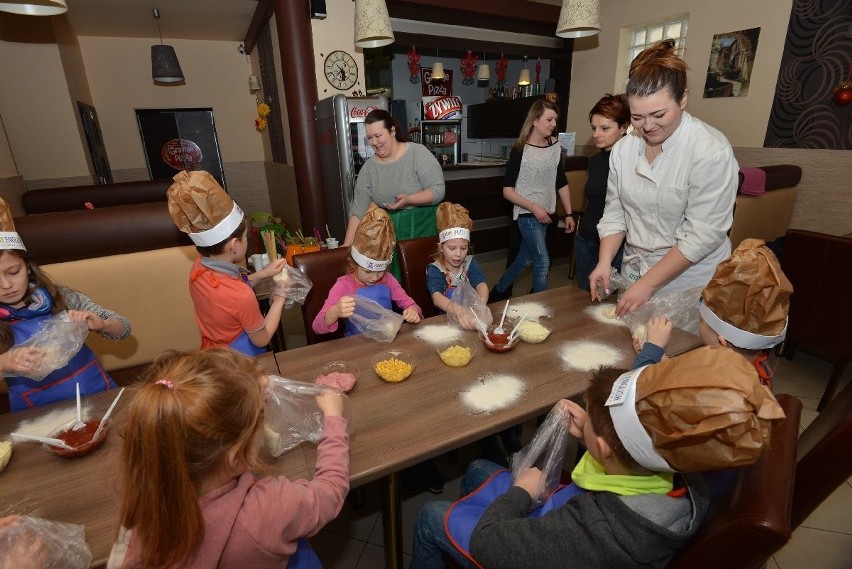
{"x": 731, "y": 62}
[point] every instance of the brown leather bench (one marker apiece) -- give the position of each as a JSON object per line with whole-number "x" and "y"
{"x": 72, "y": 198}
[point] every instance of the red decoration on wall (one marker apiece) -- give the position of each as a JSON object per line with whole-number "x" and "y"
{"x": 843, "y": 90}
{"x": 538, "y": 71}
{"x": 414, "y": 65}
{"x": 501, "y": 65}
{"x": 468, "y": 67}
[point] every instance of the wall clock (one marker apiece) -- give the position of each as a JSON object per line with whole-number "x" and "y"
{"x": 341, "y": 70}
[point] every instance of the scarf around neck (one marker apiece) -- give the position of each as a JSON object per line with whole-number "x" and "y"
{"x": 589, "y": 474}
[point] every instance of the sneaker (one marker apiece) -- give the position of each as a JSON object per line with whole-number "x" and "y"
{"x": 430, "y": 477}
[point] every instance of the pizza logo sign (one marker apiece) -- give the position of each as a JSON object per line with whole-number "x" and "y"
{"x": 181, "y": 154}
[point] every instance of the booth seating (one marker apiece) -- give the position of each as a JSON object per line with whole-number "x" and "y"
{"x": 767, "y": 216}
{"x": 323, "y": 268}
{"x": 414, "y": 256}
{"x": 130, "y": 259}
{"x": 51, "y": 200}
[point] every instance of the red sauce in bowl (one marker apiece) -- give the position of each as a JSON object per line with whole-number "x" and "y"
{"x": 81, "y": 440}
{"x": 498, "y": 342}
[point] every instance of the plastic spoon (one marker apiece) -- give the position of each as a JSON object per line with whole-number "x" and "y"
{"x": 499, "y": 329}
{"x": 481, "y": 327}
{"x": 46, "y": 440}
{"x": 78, "y": 424}
{"x": 106, "y": 415}
{"x": 516, "y": 330}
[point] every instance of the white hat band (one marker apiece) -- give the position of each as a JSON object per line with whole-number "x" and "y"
{"x": 220, "y": 231}
{"x": 11, "y": 240}
{"x": 631, "y": 433}
{"x": 454, "y": 233}
{"x": 368, "y": 263}
{"x": 737, "y": 336}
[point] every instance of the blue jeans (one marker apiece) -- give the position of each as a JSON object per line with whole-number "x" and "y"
{"x": 533, "y": 252}
{"x": 430, "y": 540}
{"x": 586, "y": 255}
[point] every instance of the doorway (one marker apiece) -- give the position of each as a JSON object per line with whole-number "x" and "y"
{"x": 95, "y": 141}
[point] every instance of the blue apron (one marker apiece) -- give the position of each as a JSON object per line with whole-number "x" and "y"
{"x": 463, "y": 515}
{"x": 60, "y": 384}
{"x": 243, "y": 344}
{"x": 304, "y": 558}
{"x": 381, "y": 293}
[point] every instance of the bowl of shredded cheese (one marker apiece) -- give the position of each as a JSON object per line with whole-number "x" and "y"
{"x": 456, "y": 352}
{"x": 394, "y": 365}
{"x": 533, "y": 332}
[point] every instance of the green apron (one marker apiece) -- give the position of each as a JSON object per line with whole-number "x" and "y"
{"x": 409, "y": 224}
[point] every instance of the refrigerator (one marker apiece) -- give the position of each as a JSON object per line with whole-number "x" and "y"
{"x": 343, "y": 150}
{"x": 440, "y": 128}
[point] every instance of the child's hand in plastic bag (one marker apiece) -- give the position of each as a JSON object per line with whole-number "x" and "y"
{"x": 659, "y": 331}
{"x": 530, "y": 480}
{"x": 21, "y": 361}
{"x": 331, "y": 404}
{"x": 41, "y": 544}
{"x": 576, "y": 417}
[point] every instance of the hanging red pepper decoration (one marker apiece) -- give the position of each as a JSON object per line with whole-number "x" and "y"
{"x": 468, "y": 67}
{"x": 414, "y": 65}
{"x": 538, "y": 71}
{"x": 501, "y": 65}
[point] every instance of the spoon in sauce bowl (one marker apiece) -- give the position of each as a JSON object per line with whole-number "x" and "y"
{"x": 78, "y": 424}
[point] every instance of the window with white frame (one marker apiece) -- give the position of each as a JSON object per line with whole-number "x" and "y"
{"x": 646, "y": 34}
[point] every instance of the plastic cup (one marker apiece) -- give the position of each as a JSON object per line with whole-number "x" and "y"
{"x": 332, "y": 243}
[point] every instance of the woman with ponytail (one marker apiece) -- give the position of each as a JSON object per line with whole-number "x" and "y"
{"x": 192, "y": 438}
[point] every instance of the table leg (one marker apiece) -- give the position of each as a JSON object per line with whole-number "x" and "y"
{"x": 392, "y": 521}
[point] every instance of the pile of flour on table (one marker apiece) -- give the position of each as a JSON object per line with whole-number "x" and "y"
{"x": 586, "y": 355}
{"x": 493, "y": 392}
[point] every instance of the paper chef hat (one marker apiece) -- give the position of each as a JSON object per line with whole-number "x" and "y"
{"x": 747, "y": 300}
{"x": 703, "y": 410}
{"x": 200, "y": 208}
{"x": 9, "y": 238}
{"x": 453, "y": 222}
{"x": 372, "y": 247}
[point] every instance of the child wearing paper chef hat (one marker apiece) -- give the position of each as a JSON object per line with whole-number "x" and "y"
{"x": 453, "y": 265}
{"x": 744, "y": 307}
{"x": 226, "y": 307}
{"x": 626, "y": 507}
{"x": 370, "y": 255}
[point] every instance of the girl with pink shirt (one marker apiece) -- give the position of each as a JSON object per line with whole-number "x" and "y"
{"x": 190, "y": 499}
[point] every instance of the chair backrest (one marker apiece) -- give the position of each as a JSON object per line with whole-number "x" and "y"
{"x": 323, "y": 268}
{"x": 752, "y": 520}
{"x": 414, "y": 256}
{"x": 825, "y": 456}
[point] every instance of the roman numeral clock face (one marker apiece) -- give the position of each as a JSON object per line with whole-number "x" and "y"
{"x": 341, "y": 70}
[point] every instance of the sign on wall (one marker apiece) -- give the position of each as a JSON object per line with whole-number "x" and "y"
{"x": 436, "y": 87}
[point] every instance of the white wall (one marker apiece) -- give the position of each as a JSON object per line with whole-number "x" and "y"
{"x": 742, "y": 119}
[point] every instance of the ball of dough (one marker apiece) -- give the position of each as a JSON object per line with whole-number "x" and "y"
{"x": 281, "y": 277}
{"x": 609, "y": 312}
{"x": 641, "y": 334}
{"x": 5, "y": 454}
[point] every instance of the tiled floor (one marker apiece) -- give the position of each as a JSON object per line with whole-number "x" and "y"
{"x": 824, "y": 541}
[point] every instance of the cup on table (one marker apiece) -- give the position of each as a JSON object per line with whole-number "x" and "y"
{"x": 332, "y": 243}
{"x": 257, "y": 261}
{"x": 264, "y": 261}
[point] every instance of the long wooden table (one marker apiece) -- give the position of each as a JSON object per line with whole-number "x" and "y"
{"x": 398, "y": 425}
{"x": 85, "y": 490}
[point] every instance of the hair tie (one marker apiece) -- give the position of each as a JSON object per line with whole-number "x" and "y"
{"x": 166, "y": 382}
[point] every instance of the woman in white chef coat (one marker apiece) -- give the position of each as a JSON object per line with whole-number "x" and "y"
{"x": 671, "y": 188}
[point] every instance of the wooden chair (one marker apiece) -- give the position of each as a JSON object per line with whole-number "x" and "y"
{"x": 751, "y": 521}
{"x": 824, "y": 456}
{"x": 414, "y": 256}
{"x": 323, "y": 268}
{"x": 814, "y": 263}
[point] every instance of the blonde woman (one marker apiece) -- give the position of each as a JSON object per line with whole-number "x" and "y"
{"x": 534, "y": 177}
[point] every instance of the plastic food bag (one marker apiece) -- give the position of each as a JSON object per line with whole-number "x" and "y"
{"x": 42, "y": 544}
{"x": 292, "y": 284}
{"x": 292, "y": 415}
{"x": 617, "y": 281}
{"x": 464, "y": 304}
{"x": 59, "y": 340}
{"x": 681, "y": 307}
{"x": 546, "y": 452}
{"x": 374, "y": 321}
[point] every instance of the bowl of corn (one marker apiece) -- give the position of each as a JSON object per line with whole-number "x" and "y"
{"x": 533, "y": 332}
{"x": 456, "y": 352}
{"x": 394, "y": 365}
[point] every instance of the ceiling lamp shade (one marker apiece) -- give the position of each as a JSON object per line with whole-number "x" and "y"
{"x": 524, "y": 77}
{"x": 483, "y": 72}
{"x": 165, "y": 67}
{"x": 438, "y": 71}
{"x": 34, "y": 7}
{"x": 372, "y": 24}
{"x": 579, "y": 18}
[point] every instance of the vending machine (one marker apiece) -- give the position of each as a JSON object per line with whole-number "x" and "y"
{"x": 441, "y": 128}
{"x": 343, "y": 150}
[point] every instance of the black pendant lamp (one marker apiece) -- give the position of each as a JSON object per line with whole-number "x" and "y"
{"x": 165, "y": 67}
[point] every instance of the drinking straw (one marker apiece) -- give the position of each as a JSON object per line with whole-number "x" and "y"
{"x": 327, "y": 231}
{"x": 46, "y": 440}
{"x": 317, "y": 234}
{"x": 106, "y": 415}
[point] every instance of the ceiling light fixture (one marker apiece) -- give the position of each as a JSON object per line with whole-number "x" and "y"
{"x": 579, "y": 18}
{"x": 34, "y": 7}
{"x": 483, "y": 72}
{"x": 438, "y": 69}
{"x": 165, "y": 67}
{"x": 372, "y": 24}
{"x": 524, "y": 77}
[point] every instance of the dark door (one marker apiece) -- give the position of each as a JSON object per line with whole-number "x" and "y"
{"x": 180, "y": 139}
{"x": 95, "y": 141}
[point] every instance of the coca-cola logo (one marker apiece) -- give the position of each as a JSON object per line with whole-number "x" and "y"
{"x": 181, "y": 154}
{"x": 361, "y": 112}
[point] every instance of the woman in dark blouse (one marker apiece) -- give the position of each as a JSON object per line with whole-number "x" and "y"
{"x": 609, "y": 118}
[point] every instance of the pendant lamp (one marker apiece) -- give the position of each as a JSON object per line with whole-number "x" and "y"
{"x": 372, "y": 24}
{"x": 34, "y": 7}
{"x": 483, "y": 72}
{"x": 524, "y": 77}
{"x": 438, "y": 68}
{"x": 579, "y": 18}
{"x": 165, "y": 67}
